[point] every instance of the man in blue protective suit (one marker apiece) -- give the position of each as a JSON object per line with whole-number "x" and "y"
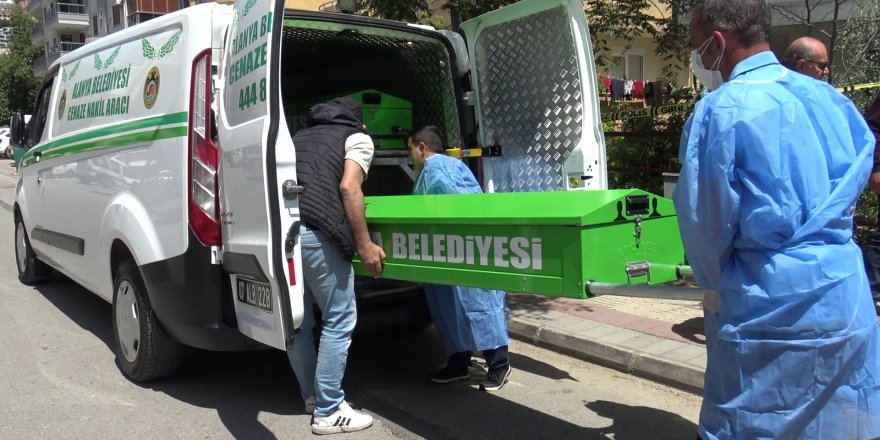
{"x": 773, "y": 163}
{"x": 468, "y": 319}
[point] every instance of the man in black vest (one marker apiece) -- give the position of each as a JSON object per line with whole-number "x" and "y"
{"x": 333, "y": 157}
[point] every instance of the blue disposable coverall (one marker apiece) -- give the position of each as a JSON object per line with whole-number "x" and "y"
{"x": 467, "y": 318}
{"x": 773, "y": 163}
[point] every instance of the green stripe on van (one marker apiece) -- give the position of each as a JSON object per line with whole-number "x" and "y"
{"x": 173, "y": 118}
{"x": 110, "y": 142}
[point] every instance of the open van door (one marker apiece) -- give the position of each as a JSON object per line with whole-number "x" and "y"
{"x": 533, "y": 73}
{"x": 257, "y": 160}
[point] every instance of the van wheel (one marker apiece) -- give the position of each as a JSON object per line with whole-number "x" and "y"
{"x": 143, "y": 351}
{"x": 30, "y": 269}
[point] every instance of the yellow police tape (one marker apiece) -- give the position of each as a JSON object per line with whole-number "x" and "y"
{"x": 645, "y": 112}
{"x": 858, "y": 87}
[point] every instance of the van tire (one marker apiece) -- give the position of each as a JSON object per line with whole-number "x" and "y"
{"x": 30, "y": 269}
{"x": 143, "y": 351}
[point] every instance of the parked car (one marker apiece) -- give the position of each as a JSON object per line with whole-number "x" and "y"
{"x": 5, "y": 146}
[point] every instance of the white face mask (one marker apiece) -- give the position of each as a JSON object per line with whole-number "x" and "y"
{"x": 711, "y": 78}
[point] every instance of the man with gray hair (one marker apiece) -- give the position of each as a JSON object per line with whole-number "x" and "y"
{"x": 773, "y": 163}
{"x": 807, "y": 56}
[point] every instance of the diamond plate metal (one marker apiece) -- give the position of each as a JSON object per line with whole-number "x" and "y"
{"x": 530, "y": 99}
{"x": 321, "y": 59}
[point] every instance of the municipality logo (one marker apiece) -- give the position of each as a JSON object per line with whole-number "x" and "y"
{"x": 151, "y": 88}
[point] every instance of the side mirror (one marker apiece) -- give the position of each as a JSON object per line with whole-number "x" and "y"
{"x": 17, "y": 129}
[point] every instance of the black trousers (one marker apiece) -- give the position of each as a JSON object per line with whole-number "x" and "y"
{"x": 495, "y": 359}
{"x": 871, "y": 253}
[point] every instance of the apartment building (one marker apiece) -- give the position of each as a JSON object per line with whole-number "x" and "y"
{"x": 65, "y": 25}
{"x": 6, "y": 9}
{"x": 62, "y": 27}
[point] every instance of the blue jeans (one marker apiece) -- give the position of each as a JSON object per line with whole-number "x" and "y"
{"x": 329, "y": 281}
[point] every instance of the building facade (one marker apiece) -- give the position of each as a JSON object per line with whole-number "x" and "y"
{"x": 65, "y": 25}
{"x": 62, "y": 27}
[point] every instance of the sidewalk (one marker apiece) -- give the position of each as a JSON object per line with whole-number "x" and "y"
{"x": 662, "y": 340}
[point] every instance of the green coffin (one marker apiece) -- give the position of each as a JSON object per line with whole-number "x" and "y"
{"x": 547, "y": 243}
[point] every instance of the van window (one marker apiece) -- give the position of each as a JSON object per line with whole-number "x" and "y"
{"x": 38, "y": 122}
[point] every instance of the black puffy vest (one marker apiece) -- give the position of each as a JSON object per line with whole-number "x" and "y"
{"x": 320, "y": 158}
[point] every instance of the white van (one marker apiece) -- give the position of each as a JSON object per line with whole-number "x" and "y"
{"x": 160, "y": 171}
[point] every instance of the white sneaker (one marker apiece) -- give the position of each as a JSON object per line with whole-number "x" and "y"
{"x": 311, "y": 403}
{"x": 345, "y": 419}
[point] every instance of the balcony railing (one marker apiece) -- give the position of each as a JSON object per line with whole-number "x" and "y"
{"x": 61, "y": 49}
{"x": 328, "y": 7}
{"x": 73, "y": 14}
{"x": 72, "y": 8}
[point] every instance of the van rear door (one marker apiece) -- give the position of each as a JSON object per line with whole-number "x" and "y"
{"x": 533, "y": 73}
{"x": 257, "y": 159}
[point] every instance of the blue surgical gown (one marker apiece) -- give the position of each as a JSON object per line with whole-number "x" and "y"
{"x": 467, "y": 318}
{"x": 773, "y": 162}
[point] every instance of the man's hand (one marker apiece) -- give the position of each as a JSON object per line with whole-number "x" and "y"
{"x": 874, "y": 182}
{"x": 373, "y": 258}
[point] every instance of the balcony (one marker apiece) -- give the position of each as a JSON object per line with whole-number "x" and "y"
{"x": 60, "y": 49}
{"x": 326, "y": 7}
{"x": 67, "y": 17}
{"x": 332, "y": 6}
{"x": 38, "y": 35}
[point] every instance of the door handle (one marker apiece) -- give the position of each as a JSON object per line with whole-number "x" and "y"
{"x": 290, "y": 190}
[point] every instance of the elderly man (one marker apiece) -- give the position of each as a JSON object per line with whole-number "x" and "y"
{"x": 807, "y": 56}
{"x": 773, "y": 163}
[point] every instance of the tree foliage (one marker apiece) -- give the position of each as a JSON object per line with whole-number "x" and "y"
{"x": 462, "y": 10}
{"x": 18, "y": 86}
{"x": 860, "y": 40}
{"x": 805, "y": 14}
{"x": 402, "y": 10}
{"x": 609, "y": 20}
{"x": 638, "y": 161}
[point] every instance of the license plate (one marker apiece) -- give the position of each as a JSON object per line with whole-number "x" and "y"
{"x": 256, "y": 294}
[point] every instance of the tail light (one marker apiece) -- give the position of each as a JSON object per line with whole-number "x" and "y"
{"x": 204, "y": 202}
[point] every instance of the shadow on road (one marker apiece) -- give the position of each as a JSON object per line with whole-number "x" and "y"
{"x": 386, "y": 375}
{"x": 84, "y": 308}
{"x": 239, "y": 386}
{"x": 692, "y": 330}
{"x": 640, "y": 422}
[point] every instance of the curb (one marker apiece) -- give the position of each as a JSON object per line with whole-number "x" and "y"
{"x": 629, "y": 360}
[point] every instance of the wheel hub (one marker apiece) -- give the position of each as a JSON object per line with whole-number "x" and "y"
{"x": 128, "y": 325}
{"x": 20, "y": 247}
